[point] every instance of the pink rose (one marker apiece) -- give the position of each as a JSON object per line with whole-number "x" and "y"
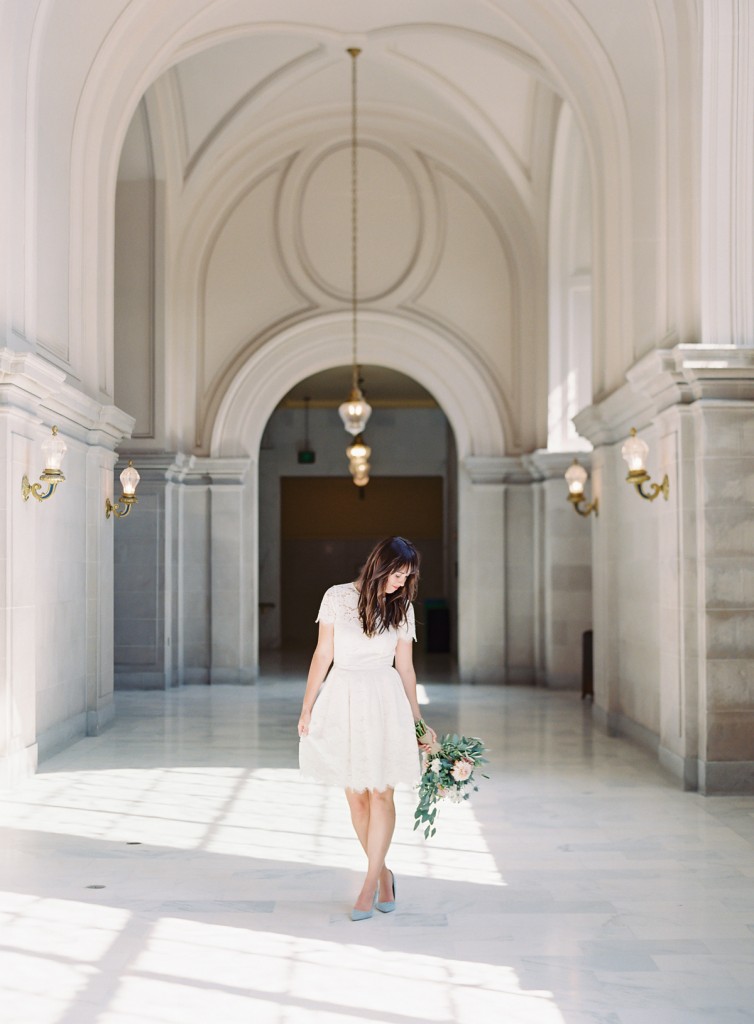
{"x": 462, "y": 769}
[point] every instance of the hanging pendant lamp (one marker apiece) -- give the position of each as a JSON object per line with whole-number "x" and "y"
{"x": 355, "y": 411}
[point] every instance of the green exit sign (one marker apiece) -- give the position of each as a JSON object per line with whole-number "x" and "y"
{"x": 306, "y": 457}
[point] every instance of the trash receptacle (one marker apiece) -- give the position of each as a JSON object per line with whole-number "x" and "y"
{"x": 437, "y": 626}
{"x": 587, "y": 664}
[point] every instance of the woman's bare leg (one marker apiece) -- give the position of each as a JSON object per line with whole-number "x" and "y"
{"x": 379, "y": 834}
{"x": 358, "y": 804}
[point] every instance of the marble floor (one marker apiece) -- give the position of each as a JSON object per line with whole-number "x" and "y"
{"x": 176, "y": 870}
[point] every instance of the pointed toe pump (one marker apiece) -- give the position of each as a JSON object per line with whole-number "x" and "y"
{"x": 363, "y": 915}
{"x": 389, "y": 905}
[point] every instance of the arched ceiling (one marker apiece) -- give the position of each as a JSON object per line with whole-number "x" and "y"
{"x": 489, "y": 96}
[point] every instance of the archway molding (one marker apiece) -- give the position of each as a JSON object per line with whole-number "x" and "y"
{"x": 444, "y": 365}
{"x": 478, "y": 416}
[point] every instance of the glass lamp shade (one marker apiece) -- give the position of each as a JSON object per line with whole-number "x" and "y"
{"x": 53, "y": 449}
{"x": 361, "y": 481}
{"x": 635, "y": 452}
{"x": 576, "y": 478}
{"x": 355, "y": 412}
{"x": 129, "y": 480}
{"x": 358, "y": 451}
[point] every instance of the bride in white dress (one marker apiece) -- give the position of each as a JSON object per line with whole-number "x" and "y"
{"x": 358, "y": 725}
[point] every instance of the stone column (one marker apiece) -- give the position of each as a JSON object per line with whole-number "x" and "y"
{"x": 232, "y": 584}
{"x": 564, "y": 570}
{"x": 727, "y": 171}
{"x": 674, "y": 581}
{"x": 142, "y": 579}
{"x": 605, "y": 547}
{"x": 725, "y": 584}
{"x": 18, "y": 648}
{"x": 55, "y": 566}
{"x": 481, "y": 570}
{"x": 100, "y": 669}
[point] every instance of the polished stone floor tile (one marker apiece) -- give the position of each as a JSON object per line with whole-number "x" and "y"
{"x": 176, "y": 870}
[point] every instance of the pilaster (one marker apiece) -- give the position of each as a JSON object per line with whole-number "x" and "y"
{"x": 56, "y": 651}
{"x": 727, "y": 171}
{"x": 563, "y": 570}
{"x": 481, "y": 594}
{"x": 674, "y": 598}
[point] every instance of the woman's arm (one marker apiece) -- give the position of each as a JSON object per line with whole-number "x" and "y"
{"x": 404, "y": 666}
{"x": 321, "y": 661}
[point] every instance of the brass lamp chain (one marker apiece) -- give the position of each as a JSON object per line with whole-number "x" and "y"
{"x": 354, "y": 52}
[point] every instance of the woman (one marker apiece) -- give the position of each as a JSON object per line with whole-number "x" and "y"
{"x": 361, "y": 733}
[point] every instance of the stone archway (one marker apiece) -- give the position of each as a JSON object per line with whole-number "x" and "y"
{"x": 477, "y": 416}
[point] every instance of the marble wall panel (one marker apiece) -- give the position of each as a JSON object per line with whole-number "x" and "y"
{"x": 566, "y": 579}
{"x": 519, "y": 583}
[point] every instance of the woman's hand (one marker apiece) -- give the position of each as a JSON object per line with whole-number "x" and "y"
{"x": 428, "y": 740}
{"x": 303, "y": 723}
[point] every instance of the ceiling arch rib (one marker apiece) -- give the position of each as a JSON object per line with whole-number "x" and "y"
{"x": 294, "y": 72}
{"x": 317, "y": 76}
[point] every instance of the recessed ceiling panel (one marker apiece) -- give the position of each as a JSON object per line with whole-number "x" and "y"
{"x": 389, "y": 221}
{"x": 214, "y": 82}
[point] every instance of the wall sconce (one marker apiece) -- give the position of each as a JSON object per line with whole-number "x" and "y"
{"x": 129, "y": 480}
{"x": 576, "y": 477}
{"x": 53, "y": 449}
{"x": 635, "y": 452}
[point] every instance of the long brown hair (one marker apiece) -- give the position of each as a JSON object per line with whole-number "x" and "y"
{"x": 379, "y": 611}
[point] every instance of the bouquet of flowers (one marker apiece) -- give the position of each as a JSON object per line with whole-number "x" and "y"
{"x": 447, "y": 774}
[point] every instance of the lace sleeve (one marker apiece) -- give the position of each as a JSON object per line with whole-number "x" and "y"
{"x": 326, "y": 613}
{"x": 407, "y": 630}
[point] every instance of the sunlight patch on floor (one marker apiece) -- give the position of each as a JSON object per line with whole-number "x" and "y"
{"x": 177, "y": 971}
{"x": 269, "y": 813}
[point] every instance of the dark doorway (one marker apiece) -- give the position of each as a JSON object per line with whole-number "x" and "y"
{"x": 327, "y": 530}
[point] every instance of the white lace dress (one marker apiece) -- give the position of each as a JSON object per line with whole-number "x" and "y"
{"x": 361, "y": 734}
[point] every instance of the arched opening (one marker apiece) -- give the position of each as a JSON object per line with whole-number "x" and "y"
{"x": 451, "y": 376}
{"x": 316, "y": 527}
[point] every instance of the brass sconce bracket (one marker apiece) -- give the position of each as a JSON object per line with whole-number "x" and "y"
{"x": 49, "y": 477}
{"x": 577, "y": 499}
{"x": 121, "y": 508}
{"x": 640, "y": 477}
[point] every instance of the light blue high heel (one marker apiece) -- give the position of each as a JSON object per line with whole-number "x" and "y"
{"x": 363, "y": 915}
{"x": 388, "y": 905}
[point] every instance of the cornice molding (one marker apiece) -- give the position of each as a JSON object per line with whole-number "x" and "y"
{"x": 493, "y": 469}
{"x": 193, "y": 470}
{"x": 29, "y": 383}
{"x": 544, "y": 465}
{"x": 668, "y": 377}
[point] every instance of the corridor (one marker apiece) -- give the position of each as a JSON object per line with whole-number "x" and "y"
{"x": 175, "y": 870}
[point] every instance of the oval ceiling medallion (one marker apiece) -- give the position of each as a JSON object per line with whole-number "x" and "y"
{"x": 389, "y": 222}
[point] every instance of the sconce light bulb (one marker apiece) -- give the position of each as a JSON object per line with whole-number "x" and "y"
{"x": 576, "y": 477}
{"x": 53, "y": 449}
{"x": 129, "y": 479}
{"x": 635, "y": 452}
